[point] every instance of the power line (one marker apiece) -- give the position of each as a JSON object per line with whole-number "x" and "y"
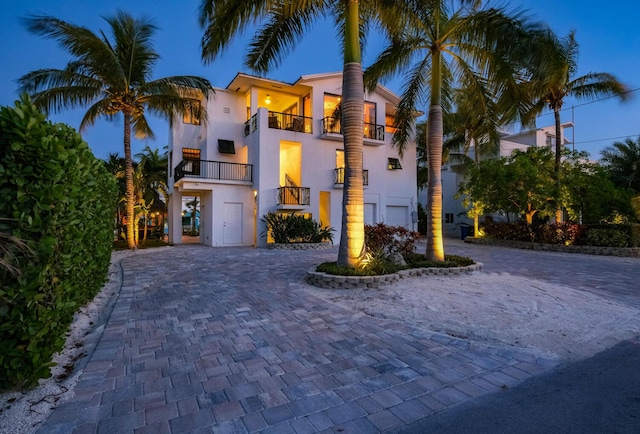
{"x": 604, "y": 140}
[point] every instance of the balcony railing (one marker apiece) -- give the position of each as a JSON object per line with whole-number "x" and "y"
{"x": 251, "y": 125}
{"x": 287, "y": 121}
{"x": 213, "y": 170}
{"x": 371, "y": 131}
{"x": 339, "y": 176}
{"x": 294, "y": 196}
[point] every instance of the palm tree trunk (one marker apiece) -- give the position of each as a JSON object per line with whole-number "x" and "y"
{"x": 556, "y": 113}
{"x": 128, "y": 170}
{"x": 435, "y": 245}
{"x": 352, "y": 246}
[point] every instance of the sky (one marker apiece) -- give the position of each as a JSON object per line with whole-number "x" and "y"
{"x": 607, "y": 33}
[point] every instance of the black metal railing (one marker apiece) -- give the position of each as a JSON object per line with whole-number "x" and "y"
{"x": 371, "y": 131}
{"x": 294, "y": 196}
{"x": 251, "y": 125}
{"x": 213, "y": 170}
{"x": 339, "y": 176}
{"x": 287, "y": 121}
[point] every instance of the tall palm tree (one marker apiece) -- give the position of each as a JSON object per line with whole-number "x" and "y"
{"x": 284, "y": 24}
{"x": 111, "y": 76}
{"x": 470, "y": 46}
{"x": 115, "y": 164}
{"x": 553, "y": 66}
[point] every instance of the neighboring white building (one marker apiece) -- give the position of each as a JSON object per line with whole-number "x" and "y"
{"x": 454, "y": 214}
{"x": 274, "y": 146}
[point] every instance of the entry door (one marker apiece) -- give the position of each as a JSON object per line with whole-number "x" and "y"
{"x": 232, "y": 230}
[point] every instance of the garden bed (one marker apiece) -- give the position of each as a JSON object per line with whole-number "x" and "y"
{"x": 300, "y": 246}
{"x": 587, "y": 250}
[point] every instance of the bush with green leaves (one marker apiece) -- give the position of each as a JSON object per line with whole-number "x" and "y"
{"x": 295, "y": 228}
{"x": 59, "y": 199}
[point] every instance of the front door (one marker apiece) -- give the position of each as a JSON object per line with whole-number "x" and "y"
{"x": 232, "y": 230}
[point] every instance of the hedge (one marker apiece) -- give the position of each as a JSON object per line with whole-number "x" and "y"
{"x": 59, "y": 199}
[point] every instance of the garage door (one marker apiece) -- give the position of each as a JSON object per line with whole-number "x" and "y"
{"x": 397, "y": 216}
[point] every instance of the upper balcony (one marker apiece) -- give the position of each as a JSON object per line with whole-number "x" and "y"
{"x": 373, "y": 134}
{"x": 214, "y": 172}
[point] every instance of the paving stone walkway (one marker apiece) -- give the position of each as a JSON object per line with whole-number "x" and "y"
{"x": 220, "y": 340}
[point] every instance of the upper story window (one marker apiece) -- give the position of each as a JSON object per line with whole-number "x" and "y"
{"x": 369, "y": 112}
{"x": 190, "y": 154}
{"x": 332, "y": 105}
{"x": 389, "y": 121}
{"x": 339, "y": 158}
{"x": 192, "y": 114}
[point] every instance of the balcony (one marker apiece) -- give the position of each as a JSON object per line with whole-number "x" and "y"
{"x": 296, "y": 196}
{"x": 290, "y": 122}
{"x": 338, "y": 178}
{"x": 373, "y": 134}
{"x": 214, "y": 170}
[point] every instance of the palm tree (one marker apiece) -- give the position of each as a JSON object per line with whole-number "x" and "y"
{"x": 115, "y": 165}
{"x": 622, "y": 161}
{"x": 285, "y": 22}
{"x": 470, "y": 46}
{"x": 111, "y": 77}
{"x": 553, "y": 67}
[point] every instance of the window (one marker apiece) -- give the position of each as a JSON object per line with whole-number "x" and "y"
{"x": 339, "y": 158}
{"x": 389, "y": 120}
{"x": 448, "y": 217}
{"x": 226, "y": 146}
{"x": 369, "y": 113}
{"x": 192, "y": 112}
{"x": 190, "y": 154}
{"x": 394, "y": 164}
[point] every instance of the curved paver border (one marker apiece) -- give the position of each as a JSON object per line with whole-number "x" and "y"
{"x": 300, "y": 246}
{"x": 331, "y": 281}
{"x": 632, "y": 252}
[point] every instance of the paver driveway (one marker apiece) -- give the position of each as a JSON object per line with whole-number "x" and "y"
{"x": 220, "y": 340}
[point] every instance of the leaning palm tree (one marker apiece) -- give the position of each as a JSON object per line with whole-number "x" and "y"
{"x": 553, "y": 66}
{"x": 111, "y": 76}
{"x": 622, "y": 161}
{"x": 470, "y": 45}
{"x": 284, "y": 24}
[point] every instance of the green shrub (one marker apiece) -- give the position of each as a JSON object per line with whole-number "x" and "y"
{"x": 608, "y": 236}
{"x": 417, "y": 260}
{"x": 59, "y": 199}
{"x": 295, "y": 228}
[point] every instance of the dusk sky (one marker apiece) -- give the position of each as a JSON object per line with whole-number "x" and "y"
{"x": 607, "y": 33}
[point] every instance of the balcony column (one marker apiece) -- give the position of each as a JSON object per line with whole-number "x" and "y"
{"x": 174, "y": 214}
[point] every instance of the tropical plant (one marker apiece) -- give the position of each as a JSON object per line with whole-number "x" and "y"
{"x": 295, "y": 228}
{"x": 469, "y": 46}
{"x": 622, "y": 162}
{"x": 284, "y": 24}
{"x": 552, "y": 69}
{"x": 111, "y": 76}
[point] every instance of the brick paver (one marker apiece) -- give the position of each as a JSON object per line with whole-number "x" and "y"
{"x": 223, "y": 340}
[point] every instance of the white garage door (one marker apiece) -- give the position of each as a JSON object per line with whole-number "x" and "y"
{"x": 397, "y": 216}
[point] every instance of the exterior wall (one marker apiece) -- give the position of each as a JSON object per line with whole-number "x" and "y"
{"x": 227, "y": 113}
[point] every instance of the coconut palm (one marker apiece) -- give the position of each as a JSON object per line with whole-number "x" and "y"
{"x": 553, "y": 66}
{"x": 115, "y": 165}
{"x": 111, "y": 76}
{"x": 284, "y": 24}
{"x": 622, "y": 161}
{"x": 469, "y": 46}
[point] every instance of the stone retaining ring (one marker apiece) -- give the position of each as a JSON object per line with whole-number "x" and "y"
{"x": 331, "y": 281}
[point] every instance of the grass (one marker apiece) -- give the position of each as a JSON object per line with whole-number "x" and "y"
{"x": 415, "y": 260}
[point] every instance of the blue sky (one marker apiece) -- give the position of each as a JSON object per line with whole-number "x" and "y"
{"x": 607, "y": 34}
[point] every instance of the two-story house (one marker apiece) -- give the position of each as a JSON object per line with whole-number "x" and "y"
{"x": 453, "y": 174}
{"x": 274, "y": 146}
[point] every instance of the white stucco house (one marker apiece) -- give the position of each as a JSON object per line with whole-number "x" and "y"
{"x": 275, "y": 146}
{"x": 454, "y": 214}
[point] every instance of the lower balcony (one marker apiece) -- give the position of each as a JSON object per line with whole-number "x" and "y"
{"x": 338, "y": 178}
{"x": 215, "y": 171}
{"x": 294, "y": 197}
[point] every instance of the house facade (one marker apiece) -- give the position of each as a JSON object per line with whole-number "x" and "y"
{"x": 270, "y": 146}
{"x": 454, "y": 214}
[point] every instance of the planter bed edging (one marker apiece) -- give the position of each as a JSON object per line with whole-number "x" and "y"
{"x": 633, "y": 252}
{"x": 331, "y": 281}
{"x": 300, "y": 246}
